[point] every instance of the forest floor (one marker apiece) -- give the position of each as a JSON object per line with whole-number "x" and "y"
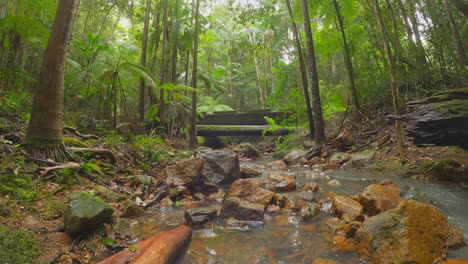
{"x": 36, "y": 201}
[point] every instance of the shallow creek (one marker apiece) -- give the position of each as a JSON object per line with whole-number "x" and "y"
{"x": 284, "y": 237}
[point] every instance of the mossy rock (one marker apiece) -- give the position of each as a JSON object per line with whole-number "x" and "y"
{"x": 18, "y": 247}
{"x": 86, "y": 212}
{"x": 450, "y": 170}
{"x": 73, "y": 142}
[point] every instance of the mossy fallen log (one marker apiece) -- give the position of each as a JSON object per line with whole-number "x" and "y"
{"x": 238, "y": 130}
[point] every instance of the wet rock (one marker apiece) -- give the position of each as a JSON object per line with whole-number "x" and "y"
{"x": 332, "y": 167}
{"x": 316, "y": 161}
{"x": 86, "y": 212}
{"x": 318, "y": 167}
{"x": 136, "y": 180}
{"x": 246, "y": 173}
{"x": 184, "y": 172}
{"x": 179, "y": 191}
{"x": 324, "y": 261}
{"x": 220, "y": 194}
{"x": 349, "y": 229}
{"x": 314, "y": 175}
{"x": 277, "y": 165}
{"x": 339, "y": 158}
{"x": 449, "y": 170}
{"x": 342, "y": 244}
{"x": 346, "y": 208}
{"x": 278, "y": 200}
{"x": 334, "y": 182}
{"x": 344, "y": 140}
{"x": 362, "y": 160}
{"x": 131, "y": 209}
{"x": 411, "y": 233}
{"x": 377, "y": 198}
{"x": 456, "y": 261}
{"x": 310, "y": 187}
{"x": 242, "y": 225}
{"x": 250, "y": 191}
{"x": 109, "y": 195}
{"x": 238, "y": 209}
{"x": 307, "y": 196}
{"x": 326, "y": 205}
{"x": 294, "y": 156}
{"x": 166, "y": 203}
{"x": 281, "y": 182}
{"x": 220, "y": 166}
{"x": 246, "y": 150}
{"x": 309, "y": 212}
{"x": 294, "y": 202}
{"x": 273, "y": 208}
{"x": 308, "y": 144}
{"x": 413, "y": 193}
{"x": 200, "y": 216}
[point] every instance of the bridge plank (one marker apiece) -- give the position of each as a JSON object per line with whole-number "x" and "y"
{"x": 236, "y": 130}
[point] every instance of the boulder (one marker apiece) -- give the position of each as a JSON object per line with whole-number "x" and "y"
{"x": 184, "y": 172}
{"x": 281, "y": 182}
{"x": 246, "y": 150}
{"x": 344, "y": 140}
{"x": 334, "y": 183}
{"x": 316, "y": 161}
{"x": 200, "y": 216}
{"x": 377, "y": 198}
{"x": 346, "y": 208}
{"x": 250, "y": 191}
{"x": 241, "y": 225}
{"x": 294, "y": 156}
{"x": 277, "y": 165}
{"x": 309, "y": 212}
{"x": 166, "y": 202}
{"x": 412, "y": 193}
{"x": 85, "y": 212}
{"x": 220, "y": 166}
{"x": 342, "y": 243}
{"x": 339, "y": 158}
{"x": 411, "y": 233}
{"x": 294, "y": 201}
{"x": 308, "y": 144}
{"x": 131, "y": 209}
{"x": 238, "y": 209}
{"x": 362, "y": 160}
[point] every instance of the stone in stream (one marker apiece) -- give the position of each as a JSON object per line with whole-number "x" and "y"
{"x": 413, "y": 193}
{"x": 411, "y": 233}
{"x": 184, "y": 172}
{"x": 277, "y": 165}
{"x": 377, "y": 198}
{"x": 344, "y": 140}
{"x": 362, "y": 160}
{"x": 339, "y": 158}
{"x": 200, "y": 216}
{"x": 281, "y": 182}
{"x": 316, "y": 161}
{"x": 250, "y": 191}
{"x": 246, "y": 172}
{"x": 310, "y": 187}
{"x": 220, "y": 167}
{"x": 242, "y": 225}
{"x": 238, "y": 209}
{"x": 294, "y": 156}
{"x": 86, "y": 212}
{"x": 346, "y": 208}
{"x": 450, "y": 170}
{"x": 309, "y": 212}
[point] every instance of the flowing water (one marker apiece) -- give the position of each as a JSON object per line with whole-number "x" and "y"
{"x": 284, "y": 237}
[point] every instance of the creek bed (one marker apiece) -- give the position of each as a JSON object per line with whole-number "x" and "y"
{"x": 284, "y": 237}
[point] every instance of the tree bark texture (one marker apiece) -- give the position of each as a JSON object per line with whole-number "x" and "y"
{"x": 316, "y": 101}
{"x": 193, "y": 120}
{"x": 456, "y": 37}
{"x": 144, "y": 47}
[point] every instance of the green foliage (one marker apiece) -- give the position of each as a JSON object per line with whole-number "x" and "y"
{"x": 73, "y": 142}
{"x": 209, "y": 105}
{"x": 18, "y": 246}
{"x": 16, "y": 102}
{"x": 150, "y": 148}
{"x": 108, "y": 241}
{"x": 113, "y": 139}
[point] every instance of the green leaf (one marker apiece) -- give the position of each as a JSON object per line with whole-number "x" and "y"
{"x": 132, "y": 248}
{"x": 108, "y": 241}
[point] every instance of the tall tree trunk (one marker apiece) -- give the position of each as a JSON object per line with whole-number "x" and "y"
{"x": 456, "y": 37}
{"x": 44, "y": 135}
{"x": 154, "y": 71}
{"x": 163, "y": 65}
{"x": 393, "y": 77}
{"x": 319, "y": 123}
{"x": 144, "y": 46}
{"x": 305, "y": 83}
{"x": 193, "y": 120}
{"x": 261, "y": 89}
{"x": 175, "y": 30}
{"x": 347, "y": 57}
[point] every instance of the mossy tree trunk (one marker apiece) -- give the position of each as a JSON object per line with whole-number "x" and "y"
{"x": 44, "y": 135}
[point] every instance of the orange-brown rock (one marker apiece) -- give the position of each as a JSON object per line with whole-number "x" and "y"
{"x": 411, "y": 233}
{"x": 281, "y": 182}
{"x": 332, "y": 166}
{"x": 250, "y": 191}
{"x": 294, "y": 157}
{"x": 377, "y": 198}
{"x": 310, "y": 187}
{"x": 344, "y": 140}
{"x": 278, "y": 200}
{"x": 277, "y": 165}
{"x": 166, "y": 202}
{"x": 456, "y": 261}
{"x": 316, "y": 161}
{"x": 349, "y": 229}
{"x": 341, "y": 244}
{"x": 324, "y": 261}
{"x": 344, "y": 205}
{"x": 184, "y": 172}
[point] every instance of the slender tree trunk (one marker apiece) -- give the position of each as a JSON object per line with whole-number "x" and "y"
{"x": 393, "y": 77}
{"x": 144, "y": 47}
{"x": 319, "y": 123}
{"x": 347, "y": 57}
{"x": 193, "y": 121}
{"x": 163, "y": 64}
{"x": 259, "y": 82}
{"x": 154, "y": 71}
{"x": 456, "y": 37}
{"x": 175, "y": 30}
{"x": 305, "y": 83}
{"x": 44, "y": 135}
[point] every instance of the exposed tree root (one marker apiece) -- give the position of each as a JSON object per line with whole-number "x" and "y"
{"x": 74, "y": 131}
{"x": 58, "y": 153}
{"x": 96, "y": 152}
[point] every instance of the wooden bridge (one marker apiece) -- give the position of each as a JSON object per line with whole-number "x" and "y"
{"x": 234, "y": 123}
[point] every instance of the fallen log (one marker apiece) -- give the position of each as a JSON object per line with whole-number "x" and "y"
{"x": 441, "y": 119}
{"x": 159, "y": 249}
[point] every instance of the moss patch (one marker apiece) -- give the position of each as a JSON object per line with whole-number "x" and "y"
{"x": 449, "y": 169}
{"x": 73, "y": 142}
{"x": 18, "y": 246}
